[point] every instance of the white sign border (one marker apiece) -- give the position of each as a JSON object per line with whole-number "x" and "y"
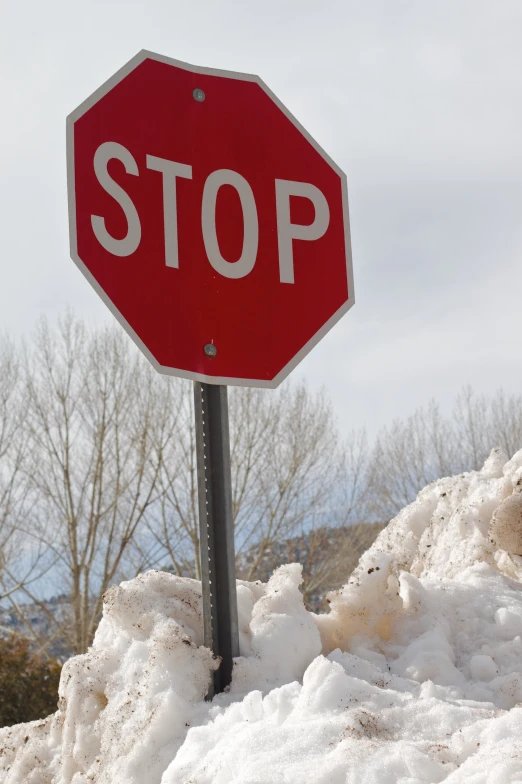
{"x": 221, "y": 380}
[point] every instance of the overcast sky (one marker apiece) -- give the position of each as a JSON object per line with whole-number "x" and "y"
{"x": 420, "y": 102}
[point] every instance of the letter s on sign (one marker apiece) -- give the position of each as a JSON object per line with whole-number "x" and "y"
{"x": 129, "y": 243}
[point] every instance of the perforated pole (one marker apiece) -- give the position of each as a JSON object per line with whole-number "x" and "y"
{"x": 218, "y": 573}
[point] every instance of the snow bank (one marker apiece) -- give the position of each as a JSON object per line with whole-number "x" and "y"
{"x": 414, "y": 676}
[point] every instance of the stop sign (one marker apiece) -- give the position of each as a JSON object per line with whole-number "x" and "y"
{"x": 211, "y": 223}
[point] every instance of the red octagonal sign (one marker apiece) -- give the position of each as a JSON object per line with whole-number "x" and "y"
{"x": 211, "y": 223}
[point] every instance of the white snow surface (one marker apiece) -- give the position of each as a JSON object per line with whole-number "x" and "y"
{"x": 414, "y": 676}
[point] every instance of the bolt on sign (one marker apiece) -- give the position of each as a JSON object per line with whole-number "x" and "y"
{"x": 216, "y": 229}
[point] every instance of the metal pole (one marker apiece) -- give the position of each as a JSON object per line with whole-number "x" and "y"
{"x": 218, "y": 573}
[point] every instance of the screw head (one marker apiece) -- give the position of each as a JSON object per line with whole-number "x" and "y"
{"x": 198, "y": 95}
{"x": 210, "y": 350}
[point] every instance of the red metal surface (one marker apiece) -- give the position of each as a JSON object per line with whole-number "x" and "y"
{"x": 257, "y": 323}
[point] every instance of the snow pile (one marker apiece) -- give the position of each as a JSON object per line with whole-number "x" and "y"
{"x": 415, "y": 674}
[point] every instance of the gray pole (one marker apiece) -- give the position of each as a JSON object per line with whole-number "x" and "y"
{"x": 218, "y": 572}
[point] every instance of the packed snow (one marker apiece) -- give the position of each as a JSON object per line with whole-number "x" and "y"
{"x": 414, "y": 676}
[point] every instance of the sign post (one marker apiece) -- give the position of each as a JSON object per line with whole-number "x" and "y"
{"x": 216, "y": 229}
{"x": 216, "y": 526}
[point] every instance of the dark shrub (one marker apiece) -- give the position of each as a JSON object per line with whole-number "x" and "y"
{"x": 28, "y": 682}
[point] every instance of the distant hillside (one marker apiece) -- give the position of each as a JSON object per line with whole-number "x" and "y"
{"x": 38, "y": 616}
{"x": 328, "y": 556}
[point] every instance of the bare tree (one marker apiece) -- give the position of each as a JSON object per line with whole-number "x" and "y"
{"x": 173, "y": 532}
{"x": 96, "y": 431}
{"x": 291, "y": 475}
{"x": 473, "y": 427}
{"x": 409, "y": 454}
{"x": 112, "y": 468}
{"x": 98, "y": 474}
{"x": 482, "y": 423}
{"x": 506, "y": 422}
{"x": 22, "y": 558}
